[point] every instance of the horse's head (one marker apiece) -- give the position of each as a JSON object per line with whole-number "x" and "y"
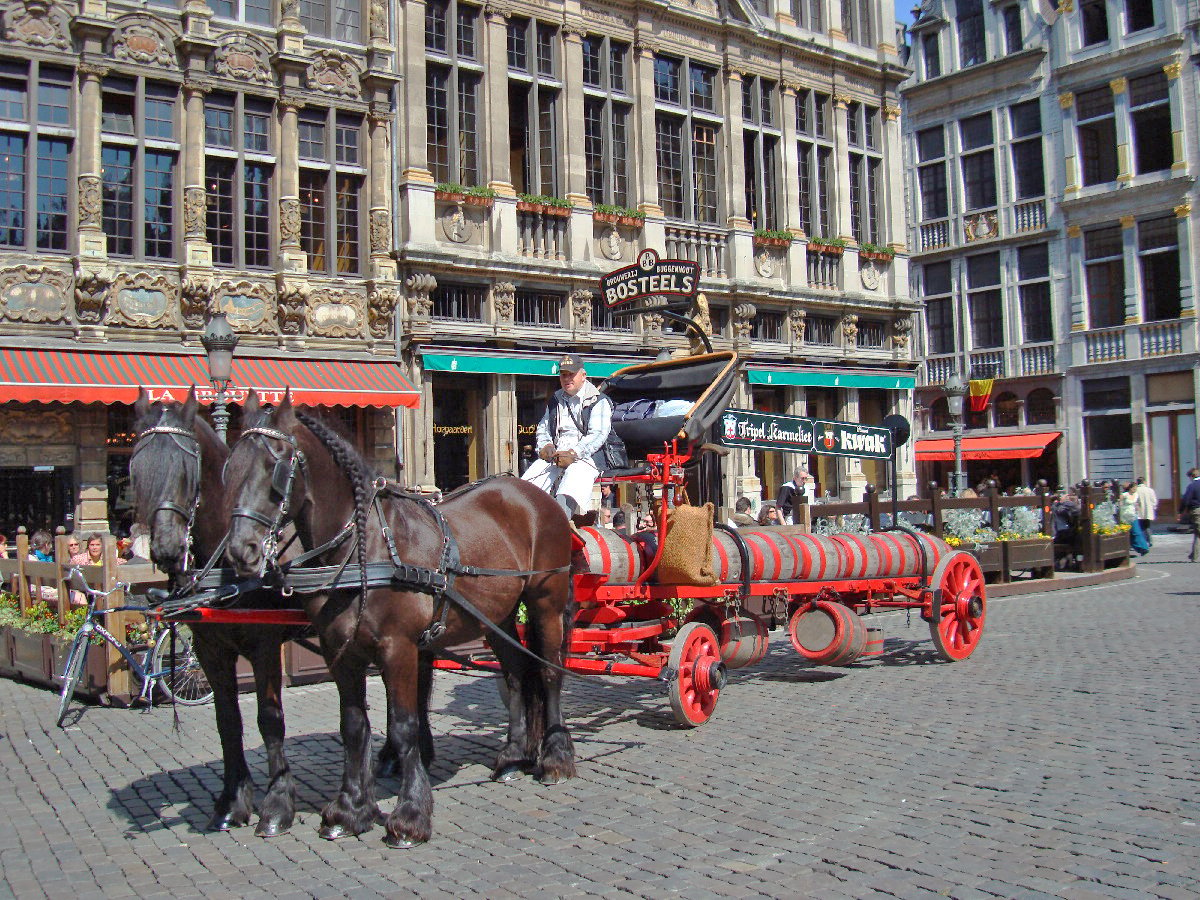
{"x": 267, "y": 484}
{"x": 165, "y": 472}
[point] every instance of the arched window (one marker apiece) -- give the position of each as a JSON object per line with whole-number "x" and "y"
{"x": 1039, "y": 407}
{"x": 1008, "y": 410}
{"x": 939, "y": 415}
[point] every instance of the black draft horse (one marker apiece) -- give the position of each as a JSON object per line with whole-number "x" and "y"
{"x": 176, "y": 473}
{"x": 501, "y": 523}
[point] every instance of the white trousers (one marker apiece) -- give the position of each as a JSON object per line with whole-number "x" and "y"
{"x": 575, "y": 481}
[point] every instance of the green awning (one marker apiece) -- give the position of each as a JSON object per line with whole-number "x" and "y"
{"x": 900, "y": 381}
{"x": 487, "y": 364}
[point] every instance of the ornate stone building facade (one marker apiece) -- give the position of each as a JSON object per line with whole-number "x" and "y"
{"x": 1052, "y": 157}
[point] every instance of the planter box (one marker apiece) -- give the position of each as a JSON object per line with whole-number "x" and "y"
{"x": 30, "y": 656}
{"x": 474, "y": 200}
{"x": 606, "y": 218}
{"x": 878, "y": 257}
{"x": 826, "y": 249}
{"x": 449, "y": 196}
{"x": 1035, "y": 555}
{"x": 561, "y": 212}
{"x": 631, "y": 221}
{"x": 526, "y": 207}
{"x": 1111, "y": 550}
{"x": 771, "y": 242}
{"x": 990, "y": 557}
{"x": 94, "y": 682}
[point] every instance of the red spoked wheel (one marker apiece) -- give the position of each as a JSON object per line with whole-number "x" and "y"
{"x": 698, "y": 675}
{"x": 959, "y": 606}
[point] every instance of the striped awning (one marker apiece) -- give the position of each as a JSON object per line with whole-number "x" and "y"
{"x": 82, "y": 376}
{"x": 997, "y": 446}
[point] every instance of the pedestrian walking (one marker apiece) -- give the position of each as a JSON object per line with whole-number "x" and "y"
{"x": 1189, "y": 509}
{"x": 1127, "y": 502}
{"x": 1147, "y": 508}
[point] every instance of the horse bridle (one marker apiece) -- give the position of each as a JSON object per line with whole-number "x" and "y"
{"x": 283, "y": 477}
{"x": 188, "y": 515}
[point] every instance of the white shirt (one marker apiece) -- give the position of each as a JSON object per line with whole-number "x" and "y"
{"x": 567, "y": 436}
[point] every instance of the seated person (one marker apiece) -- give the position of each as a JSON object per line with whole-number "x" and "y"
{"x": 741, "y": 514}
{"x": 573, "y": 430}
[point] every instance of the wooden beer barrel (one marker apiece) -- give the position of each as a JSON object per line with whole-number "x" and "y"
{"x": 822, "y": 632}
{"x": 743, "y": 641}
{"x": 874, "y": 645}
{"x": 609, "y": 554}
{"x": 858, "y": 638}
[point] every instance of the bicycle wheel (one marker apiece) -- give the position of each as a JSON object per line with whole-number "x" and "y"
{"x": 72, "y": 672}
{"x": 186, "y": 683}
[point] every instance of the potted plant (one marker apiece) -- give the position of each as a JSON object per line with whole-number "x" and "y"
{"x": 529, "y": 203}
{"x": 1110, "y": 537}
{"x": 449, "y": 192}
{"x": 963, "y": 529}
{"x": 631, "y": 218}
{"x": 556, "y": 206}
{"x": 480, "y": 196}
{"x": 606, "y": 213}
{"x": 772, "y": 237}
{"x": 828, "y": 246}
{"x": 1025, "y": 546}
{"x": 876, "y": 252}
{"x": 37, "y": 644}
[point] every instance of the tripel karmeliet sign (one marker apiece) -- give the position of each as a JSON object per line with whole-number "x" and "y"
{"x": 651, "y": 277}
{"x": 774, "y": 431}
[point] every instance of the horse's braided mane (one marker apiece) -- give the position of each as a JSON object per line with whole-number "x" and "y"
{"x": 361, "y": 476}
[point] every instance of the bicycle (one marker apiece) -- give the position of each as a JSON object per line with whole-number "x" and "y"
{"x": 181, "y": 680}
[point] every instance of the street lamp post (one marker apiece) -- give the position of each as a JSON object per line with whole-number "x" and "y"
{"x": 956, "y": 389}
{"x": 219, "y": 341}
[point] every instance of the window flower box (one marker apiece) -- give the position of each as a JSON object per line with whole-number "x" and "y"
{"x": 770, "y": 237}
{"x": 631, "y": 221}
{"x": 529, "y": 206}
{"x": 481, "y": 200}
{"x": 561, "y": 212}
{"x": 827, "y": 249}
{"x": 876, "y": 253}
{"x": 606, "y": 218}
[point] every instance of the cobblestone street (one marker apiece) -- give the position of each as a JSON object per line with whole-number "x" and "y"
{"x": 1060, "y": 760}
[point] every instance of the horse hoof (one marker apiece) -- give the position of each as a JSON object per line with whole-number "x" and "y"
{"x": 226, "y": 822}
{"x": 334, "y": 832}
{"x": 552, "y": 778}
{"x": 272, "y": 828}
{"x": 508, "y": 774}
{"x": 399, "y": 842}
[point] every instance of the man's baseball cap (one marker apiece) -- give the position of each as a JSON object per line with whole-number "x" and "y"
{"x": 570, "y": 363}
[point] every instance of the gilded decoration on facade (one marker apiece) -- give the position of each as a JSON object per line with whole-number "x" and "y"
{"x": 381, "y": 231}
{"x": 144, "y": 300}
{"x": 246, "y": 304}
{"x": 91, "y": 296}
{"x": 195, "y": 212}
{"x": 420, "y": 288}
{"x": 291, "y": 303}
{"x": 381, "y": 310}
{"x": 194, "y": 294}
{"x": 901, "y": 331}
{"x": 980, "y": 226}
{"x": 35, "y": 293}
{"x": 38, "y": 23}
{"x": 90, "y": 201}
{"x": 581, "y": 308}
{"x": 335, "y": 73}
{"x": 335, "y": 313}
{"x": 36, "y": 426}
{"x": 797, "y": 319}
{"x": 243, "y": 57}
{"x": 504, "y": 301}
{"x": 144, "y": 40}
{"x": 849, "y": 325}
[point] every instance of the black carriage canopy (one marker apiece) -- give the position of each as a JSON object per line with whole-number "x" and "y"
{"x": 706, "y": 381}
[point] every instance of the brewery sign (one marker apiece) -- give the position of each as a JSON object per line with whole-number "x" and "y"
{"x": 774, "y": 431}
{"x": 650, "y": 277}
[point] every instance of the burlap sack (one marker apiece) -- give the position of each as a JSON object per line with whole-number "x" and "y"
{"x": 687, "y": 547}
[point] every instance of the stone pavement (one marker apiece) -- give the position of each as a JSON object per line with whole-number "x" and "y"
{"x": 1060, "y": 760}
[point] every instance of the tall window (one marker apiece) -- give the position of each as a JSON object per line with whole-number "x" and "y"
{"x": 1097, "y": 129}
{"x": 606, "y": 118}
{"x": 459, "y": 302}
{"x": 807, "y": 14}
{"x": 337, "y": 19}
{"x": 36, "y": 139}
{"x": 931, "y": 173}
{"x": 969, "y": 18}
{"x": 452, "y": 78}
{"x": 331, "y": 182}
{"x": 984, "y": 300}
{"x": 1033, "y": 285}
{"x": 1093, "y": 16}
{"x": 1025, "y": 121}
{"x": 814, "y": 156}
{"x": 540, "y": 309}
{"x": 978, "y": 162}
{"x": 686, "y": 135}
{"x": 760, "y": 146}
{"x": 1139, "y": 14}
{"x": 256, "y": 11}
{"x": 1158, "y": 260}
{"x": 139, "y": 154}
{"x": 862, "y": 127}
{"x": 932, "y": 52}
{"x": 238, "y": 165}
{"x": 856, "y": 22}
{"x": 1150, "y": 111}
{"x": 939, "y": 307}
{"x": 1014, "y": 41}
{"x": 1104, "y": 270}
{"x": 533, "y": 137}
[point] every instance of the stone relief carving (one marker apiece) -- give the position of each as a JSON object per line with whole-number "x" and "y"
{"x": 611, "y": 244}
{"x": 743, "y": 319}
{"x": 289, "y": 9}
{"x": 497, "y": 12}
{"x": 381, "y": 310}
{"x": 849, "y": 331}
{"x": 194, "y": 295}
{"x": 334, "y": 72}
{"x": 699, "y": 313}
{"x": 765, "y": 263}
{"x": 144, "y": 300}
{"x": 504, "y": 301}
{"x": 335, "y": 313}
{"x": 797, "y": 320}
{"x": 195, "y": 212}
{"x": 457, "y": 225}
{"x": 652, "y": 324}
{"x": 582, "y": 300}
{"x": 144, "y": 40}
{"x": 381, "y": 231}
{"x": 289, "y": 221}
{"x": 420, "y": 288}
{"x": 291, "y": 305}
{"x": 377, "y": 17}
{"x": 90, "y": 201}
{"x": 868, "y": 274}
{"x": 35, "y": 293}
{"x": 246, "y": 304}
{"x": 243, "y": 57}
{"x": 38, "y": 23}
{"x": 91, "y": 295}
{"x": 901, "y": 331}
{"x": 26, "y": 426}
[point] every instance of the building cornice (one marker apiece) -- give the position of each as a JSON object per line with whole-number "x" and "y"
{"x": 1084, "y": 72}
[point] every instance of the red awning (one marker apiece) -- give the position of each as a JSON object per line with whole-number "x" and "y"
{"x": 81, "y": 376}
{"x": 997, "y": 446}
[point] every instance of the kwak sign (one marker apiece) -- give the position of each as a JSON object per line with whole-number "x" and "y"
{"x": 773, "y": 431}
{"x": 651, "y": 277}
